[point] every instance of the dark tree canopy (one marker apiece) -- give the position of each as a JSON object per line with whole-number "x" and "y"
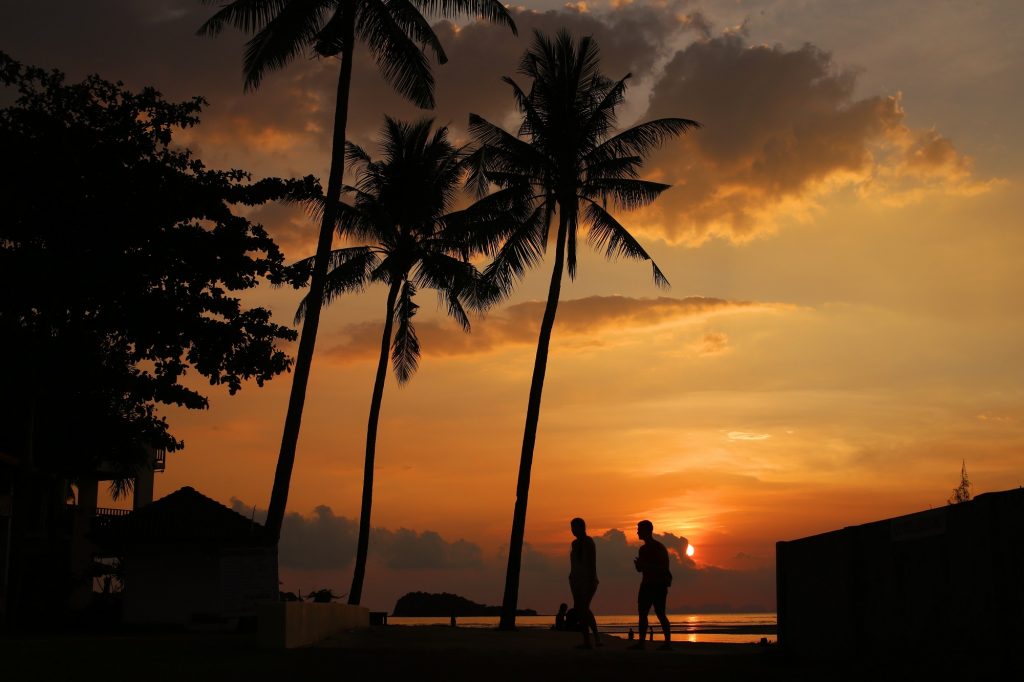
{"x": 120, "y": 258}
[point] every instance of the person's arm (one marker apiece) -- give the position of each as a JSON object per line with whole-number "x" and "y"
{"x": 590, "y": 560}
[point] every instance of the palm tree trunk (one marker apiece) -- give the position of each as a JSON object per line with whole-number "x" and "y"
{"x": 515, "y": 545}
{"x": 307, "y": 340}
{"x": 362, "y": 546}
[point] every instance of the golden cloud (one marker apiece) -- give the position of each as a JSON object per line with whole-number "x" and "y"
{"x": 781, "y": 130}
{"x": 583, "y": 319}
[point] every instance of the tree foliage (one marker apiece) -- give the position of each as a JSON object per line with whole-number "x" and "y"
{"x": 121, "y": 255}
{"x": 396, "y": 33}
{"x": 398, "y": 215}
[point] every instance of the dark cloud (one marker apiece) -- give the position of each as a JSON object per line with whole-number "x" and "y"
{"x": 326, "y": 541}
{"x": 781, "y": 128}
{"x": 406, "y": 549}
{"x": 518, "y": 324}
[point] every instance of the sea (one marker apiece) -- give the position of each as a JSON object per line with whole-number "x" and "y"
{"x": 735, "y": 628}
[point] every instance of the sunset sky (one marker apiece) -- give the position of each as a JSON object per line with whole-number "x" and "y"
{"x": 844, "y": 327}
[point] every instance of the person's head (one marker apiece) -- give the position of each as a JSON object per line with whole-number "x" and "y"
{"x": 645, "y": 530}
{"x": 563, "y": 607}
{"x": 578, "y": 526}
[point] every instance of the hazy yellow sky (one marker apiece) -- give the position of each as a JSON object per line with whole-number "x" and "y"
{"x": 844, "y": 325}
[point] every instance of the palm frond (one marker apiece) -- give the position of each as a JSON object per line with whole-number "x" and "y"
{"x": 405, "y": 349}
{"x": 606, "y": 233}
{"x": 641, "y": 139}
{"x": 401, "y": 62}
{"x": 408, "y": 16}
{"x": 484, "y": 225}
{"x": 293, "y": 28}
{"x": 349, "y": 270}
{"x": 248, "y": 16}
{"x": 613, "y": 167}
{"x": 500, "y": 142}
{"x": 330, "y": 41}
{"x": 523, "y": 248}
{"x": 455, "y": 282}
{"x": 627, "y": 194}
{"x": 355, "y": 155}
{"x": 490, "y": 10}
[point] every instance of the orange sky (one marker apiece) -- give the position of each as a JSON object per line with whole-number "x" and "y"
{"x": 844, "y": 326}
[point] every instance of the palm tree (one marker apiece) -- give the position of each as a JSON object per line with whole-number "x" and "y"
{"x": 393, "y": 30}
{"x": 400, "y": 208}
{"x": 565, "y": 161}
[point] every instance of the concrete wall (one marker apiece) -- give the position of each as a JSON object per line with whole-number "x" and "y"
{"x": 295, "y": 624}
{"x": 946, "y": 580}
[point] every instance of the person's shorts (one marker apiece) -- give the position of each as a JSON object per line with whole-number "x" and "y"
{"x": 652, "y": 595}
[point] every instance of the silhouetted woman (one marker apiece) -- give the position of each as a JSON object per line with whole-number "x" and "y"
{"x": 583, "y": 579}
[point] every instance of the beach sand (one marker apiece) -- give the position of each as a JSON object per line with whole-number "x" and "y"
{"x": 414, "y": 653}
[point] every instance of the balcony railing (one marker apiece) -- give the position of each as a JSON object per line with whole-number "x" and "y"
{"x": 105, "y": 516}
{"x": 108, "y": 511}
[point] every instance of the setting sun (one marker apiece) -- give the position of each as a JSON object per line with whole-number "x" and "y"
{"x": 689, "y": 550}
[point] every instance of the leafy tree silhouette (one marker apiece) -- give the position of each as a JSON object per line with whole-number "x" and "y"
{"x": 399, "y": 210}
{"x": 119, "y": 255}
{"x": 565, "y": 161}
{"x": 393, "y": 31}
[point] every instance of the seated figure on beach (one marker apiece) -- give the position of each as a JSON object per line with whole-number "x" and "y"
{"x": 583, "y": 579}
{"x": 652, "y": 561}
{"x": 560, "y": 617}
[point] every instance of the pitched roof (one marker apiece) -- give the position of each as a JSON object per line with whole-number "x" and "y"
{"x": 185, "y": 515}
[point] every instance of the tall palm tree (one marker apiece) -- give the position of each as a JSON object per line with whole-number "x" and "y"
{"x": 393, "y": 31}
{"x": 565, "y": 161}
{"x": 400, "y": 207}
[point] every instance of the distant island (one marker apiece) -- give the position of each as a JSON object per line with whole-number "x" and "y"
{"x": 444, "y": 605}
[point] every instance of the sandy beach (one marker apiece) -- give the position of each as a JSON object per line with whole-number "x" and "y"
{"x": 431, "y": 653}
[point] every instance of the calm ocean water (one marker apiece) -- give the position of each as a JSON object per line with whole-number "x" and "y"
{"x": 705, "y": 627}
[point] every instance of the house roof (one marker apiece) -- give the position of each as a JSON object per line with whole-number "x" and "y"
{"x": 185, "y": 515}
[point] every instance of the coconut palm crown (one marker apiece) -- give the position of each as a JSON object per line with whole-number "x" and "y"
{"x": 566, "y": 161}
{"x": 398, "y": 211}
{"x": 393, "y": 31}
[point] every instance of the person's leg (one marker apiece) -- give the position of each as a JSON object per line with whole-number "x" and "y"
{"x": 643, "y": 603}
{"x": 591, "y": 619}
{"x": 581, "y": 602}
{"x": 659, "y": 610}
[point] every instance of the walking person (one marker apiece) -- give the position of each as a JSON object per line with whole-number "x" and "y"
{"x": 583, "y": 579}
{"x": 652, "y": 562}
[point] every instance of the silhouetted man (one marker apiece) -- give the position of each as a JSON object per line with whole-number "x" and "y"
{"x": 583, "y": 579}
{"x": 652, "y": 562}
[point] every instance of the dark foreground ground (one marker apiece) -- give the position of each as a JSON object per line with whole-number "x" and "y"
{"x": 439, "y": 653}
